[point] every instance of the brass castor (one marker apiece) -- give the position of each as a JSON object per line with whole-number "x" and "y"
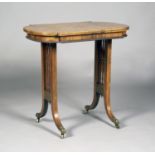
{"x": 86, "y": 109}
{"x": 117, "y": 124}
{"x": 62, "y": 136}
{"x": 63, "y": 131}
{"x": 38, "y": 117}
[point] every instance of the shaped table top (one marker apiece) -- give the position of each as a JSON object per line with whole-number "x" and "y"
{"x": 56, "y": 32}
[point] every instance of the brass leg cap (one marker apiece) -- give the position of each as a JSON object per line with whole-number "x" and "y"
{"x": 63, "y": 131}
{"x": 86, "y": 109}
{"x": 38, "y": 117}
{"x": 117, "y": 124}
{"x": 62, "y": 136}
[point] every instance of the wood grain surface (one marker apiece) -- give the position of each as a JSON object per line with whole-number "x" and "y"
{"x": 76, "y": 28}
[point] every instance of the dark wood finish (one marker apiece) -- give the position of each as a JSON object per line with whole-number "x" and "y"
{"x": 51, "y": 34}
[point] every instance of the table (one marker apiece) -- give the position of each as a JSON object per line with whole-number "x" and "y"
{"x": 51, "y": 34}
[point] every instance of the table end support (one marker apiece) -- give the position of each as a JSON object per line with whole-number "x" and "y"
{"x": 102, "y": 75}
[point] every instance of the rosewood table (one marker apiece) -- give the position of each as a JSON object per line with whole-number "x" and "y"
{"x": 51, "y": 34}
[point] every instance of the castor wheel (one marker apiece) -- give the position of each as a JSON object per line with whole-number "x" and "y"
{"x": 86, "y": 110}
{"x": 63, "y": 131}
{"x": 117, "y": 124}
{"x": 38, "y": 120}
{"x": 62, "y": 136}
{"x": 38, "y": 117}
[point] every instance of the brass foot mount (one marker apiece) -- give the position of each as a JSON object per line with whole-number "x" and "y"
{"x": 38, "y": 115}
{"x": 63, "y": 132}
{"x": 86, "y": 110}
{"x": 117, "y": 124}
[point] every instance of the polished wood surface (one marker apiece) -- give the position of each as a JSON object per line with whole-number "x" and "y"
{"x": 50, "y": 34}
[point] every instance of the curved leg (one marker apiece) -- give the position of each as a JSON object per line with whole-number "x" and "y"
{"x": 44, "y": 108}
{"x": 107, "y": 76}
{"x": 53, "y": 88}
{"x": 43, "y": 111}
{"x": 94, "y": 103}
{"x": 97, "y": 75}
